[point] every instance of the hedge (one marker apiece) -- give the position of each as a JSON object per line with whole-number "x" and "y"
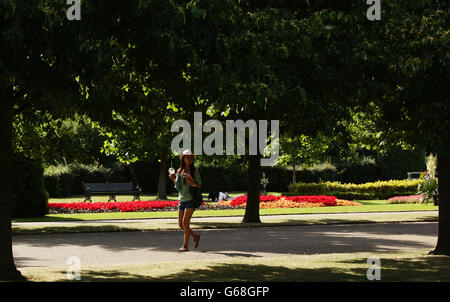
{"x": 63, "y": 182}
{"x": 30, "y": 196}
{"x": 370, "y": 190}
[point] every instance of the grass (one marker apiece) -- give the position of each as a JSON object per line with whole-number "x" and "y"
{"x": 369, "y": 206}
{"x": 410, "y": 265}
{"x": 92, "y": 222}
{"x": 215, "y": 223}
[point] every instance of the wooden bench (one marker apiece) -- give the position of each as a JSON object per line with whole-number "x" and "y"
{"x": 112, "y": 189}
{"x": 416, "y": 175}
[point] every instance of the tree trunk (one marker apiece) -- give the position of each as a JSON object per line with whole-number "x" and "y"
{"x": 443, "y": 243}
{"x": 294, "y": 179}
{"x": 8, "y": 271}
{"x": 161, "y": 195}
{"x": 254, "y": 179}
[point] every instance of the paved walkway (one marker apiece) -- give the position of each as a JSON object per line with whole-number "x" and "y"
{"x": 156, "y": 246}
{"x": 237, "y": 219}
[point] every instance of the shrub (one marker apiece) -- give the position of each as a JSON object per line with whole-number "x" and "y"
{"x": 30, "y": 197}
{"x": 428, "y": 188}
{"x": 370, "y": 190}
{"x": 65, "y": 180}
{"x": 358, "y": 173}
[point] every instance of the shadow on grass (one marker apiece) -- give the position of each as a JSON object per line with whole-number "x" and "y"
{"x": 226, "y": 273}
{"x": 30, "y": 230}
{"x": 47, "y": 230}
{"x": 425, "y": 268}
{"x": 45, "y": 219}
{"x": 287, "y": 239}
{"x": 431, "y": 269}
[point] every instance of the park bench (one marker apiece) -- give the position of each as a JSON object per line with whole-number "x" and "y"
{"x": 416, "y": 175}
{"x": 112, "y": 189}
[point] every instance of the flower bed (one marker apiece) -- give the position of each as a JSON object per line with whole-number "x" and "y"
{"x": 266, "y": 202}
{"x": 406, "y": 199}
{"x": 102, "y": 207}
{"x": 305, "y": 201}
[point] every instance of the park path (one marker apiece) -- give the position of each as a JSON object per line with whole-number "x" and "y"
{"x": 157, "y": 246}
{"x": 234, "y": 219}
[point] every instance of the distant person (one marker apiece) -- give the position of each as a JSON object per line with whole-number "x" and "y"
{"x": 223, "y": 196}
{"x": 183, "y": 180}
{"x": 213, "y": 196}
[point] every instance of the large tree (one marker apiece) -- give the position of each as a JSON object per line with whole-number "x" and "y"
{"x": 54, "y": 65}
{"x": 43, "y": 59}
{"x": 271, "y": 61}
{"x": 407, "y": 66}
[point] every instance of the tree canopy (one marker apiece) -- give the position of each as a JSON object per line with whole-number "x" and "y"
{"x": 308, "y": 64}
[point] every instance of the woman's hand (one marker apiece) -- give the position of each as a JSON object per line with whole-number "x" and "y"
{"x": 189, "y": 179}
{"x": 172, "y": 177}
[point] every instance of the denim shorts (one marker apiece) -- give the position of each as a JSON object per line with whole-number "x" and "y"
{"x": 188, "y": 204}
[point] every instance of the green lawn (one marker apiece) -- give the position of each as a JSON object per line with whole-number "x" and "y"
{"x": 367, "y": 207}
{"x": 411, "y": 265}
{"x": 395, "y": 266}
{"x": 218, "y": 223}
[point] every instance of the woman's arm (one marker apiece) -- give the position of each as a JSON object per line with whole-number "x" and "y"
{"x": 198, "y": 182}
{"x": 177, "y": 179}
{"x": 194, "y": 181}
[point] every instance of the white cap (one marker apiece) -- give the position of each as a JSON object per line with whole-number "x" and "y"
{"x": 187, "y": 152}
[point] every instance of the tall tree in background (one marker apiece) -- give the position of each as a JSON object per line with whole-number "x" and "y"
{"x": 271, "y": 63}
{"x": 407, "y": 64}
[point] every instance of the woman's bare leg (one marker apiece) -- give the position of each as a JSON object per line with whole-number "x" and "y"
{"x": 187, "y": 228}
{"x": 180, "y": 218}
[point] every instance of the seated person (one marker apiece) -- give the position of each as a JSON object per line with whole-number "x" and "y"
{"x": 223, "y": 196}
{"x": 213, "y": 196}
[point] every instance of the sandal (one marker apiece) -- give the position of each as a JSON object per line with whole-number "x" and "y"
{"x": 197, "y": 241}
{"x": 183, "y": 249}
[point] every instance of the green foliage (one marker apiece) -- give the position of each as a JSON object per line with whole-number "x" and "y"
{"x": 224, "y": 179}
{"x": 395, "y": 163}
{"x": 406, "y": 72}
{"x": 429, "y": 189}
{"x": 30, "y": 196}
{"x": 146, "y": 174}
{"x": 429, "y": 185}
{"x": 41, "y": 135}
{"x": 63, "y": 180}
{"x": 303, "y": 149}
{"x": 370, "y": 190}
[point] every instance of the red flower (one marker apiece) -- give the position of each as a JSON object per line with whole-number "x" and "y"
{"x": 130, "y": 206}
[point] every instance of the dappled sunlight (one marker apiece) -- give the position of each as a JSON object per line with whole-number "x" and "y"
{"x": 395, "y": 266}
{"x": 136, "y": 247}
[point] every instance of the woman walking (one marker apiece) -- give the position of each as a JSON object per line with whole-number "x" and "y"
{"x": 183, "y": 180}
